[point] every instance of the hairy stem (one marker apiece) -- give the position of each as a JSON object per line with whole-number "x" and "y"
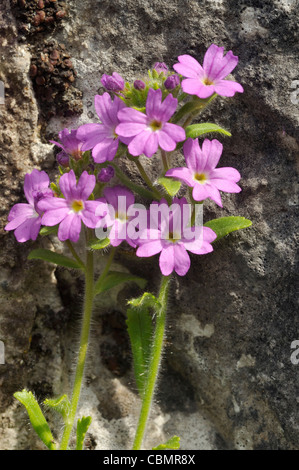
{"x": 154, "y": 364}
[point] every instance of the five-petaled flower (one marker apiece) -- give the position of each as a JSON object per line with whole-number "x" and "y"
{"x": 75, "y": 208}
{"x": 25, "y": 219}
{"x": 172, "y": 236}
{"x": 201, "y": 173}
{"x": 101, "y": 137}
{"x": 207, "y": 79}
{"x": 151, "y": 130}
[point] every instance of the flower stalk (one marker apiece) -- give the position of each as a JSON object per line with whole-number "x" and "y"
{"x": 154, "y": 364}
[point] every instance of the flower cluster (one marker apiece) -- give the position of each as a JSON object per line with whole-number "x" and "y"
{"x": 146, "y": 118}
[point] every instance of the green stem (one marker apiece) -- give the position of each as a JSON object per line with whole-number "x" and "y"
{"x": 106, "y": 269}
{"x": 146, "y": 179}
{"x": 154, "y": 362}
{"x": 74, "y": 253}
{"x": 88, "y": 302}
{"x": 164, "y": 161}
{"x": 133, "y": 186}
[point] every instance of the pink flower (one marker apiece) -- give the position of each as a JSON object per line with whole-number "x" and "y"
{"x": 101, "y": 138}
{"x": 71, "y": 146}
{"x": 114, "y": 82}
{"x": 201, "y": 173}
{"x": 25, "y": 219}
{"x": 151, "y": 130}
{"x": 205, "y": 80}
{"x": 171, "y": 238}
{"x": 75, "y": 208}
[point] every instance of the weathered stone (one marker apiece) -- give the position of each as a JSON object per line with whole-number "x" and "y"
{"x": 233, "y": 318}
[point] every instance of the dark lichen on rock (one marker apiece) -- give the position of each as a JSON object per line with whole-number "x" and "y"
{"x": 36, "y": 16}
{"x": 53, "y": 77}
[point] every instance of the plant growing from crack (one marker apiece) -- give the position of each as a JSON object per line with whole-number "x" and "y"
{"x": 151, "y": 117}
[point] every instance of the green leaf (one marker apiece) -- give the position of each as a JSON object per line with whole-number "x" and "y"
{"x": 98, "y": 244}
{"x": 48, "y": 230}
{"x": 140, "y": 329}
{"x": 55, "y": 258}
{"x": 226, "y": 225}
{"x": 195, "y": 130}
{"x": 147, "y": 300}
{"x": 173, "y": 443}
{"x": 114, "y": 278}
{"x": 36, "y": 417}
{"x": 82, "y": 427}
{"x": 172, "y": 186}
{"x": 61, "y": 405}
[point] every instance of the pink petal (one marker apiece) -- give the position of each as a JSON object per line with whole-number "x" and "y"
{"x": 149, "y": 248}
{"x": 213, "y": 193}
{"x": 166, "y": 260}
{"x": 194, "y": 86}
{"x": 212, "y": 149}
{"x": 188, "y": 67}
{"x": 67, "y": 183}
{"x": 137, "y": 144}
{"x": 227, "y": 173}
{"x": 129, "y": 129}
{"x": 54, "y": 217}
{"x": 165, "y": 141}
{"x": 227, "y": 65}
{"x": 85, "y": 186}
{"x": 20, "y": 210}
{"x": 199, "y": 192}
{"x": 167, "y": 108}
{"x": 194, "y": 156}
{"x": 131, "y": 115}
{"x": 92, "y": 134}
{"x": 35, "y": 181}
{"x": 103, "y": 104}
{"x": 52, "y": 203}
{"x": 228, "y": 88}
{"x": 181, "y": 260}
{"x": 183, "y": 174}
{"x": 69, "y": 228}
{"x": 28, "y": 230}
{"x": 212, "y": 62}
{"x": 151, "y": 144}
{"x": 177, "y": 133}
{"x": 105, "y": 150}
{"x": 153, "y": 103}
{"x": 225, "y": 185}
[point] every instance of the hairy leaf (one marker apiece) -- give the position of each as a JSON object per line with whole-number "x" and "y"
{"x": 55, "y": 258}
{"x": 225, "y": 225}
{"x": 82, "y": 427}
{"x": 114, "y": 278}
{"x": 36, "y": 417}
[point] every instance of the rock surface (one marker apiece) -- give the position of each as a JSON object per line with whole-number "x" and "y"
{"x": 227, "y": 379}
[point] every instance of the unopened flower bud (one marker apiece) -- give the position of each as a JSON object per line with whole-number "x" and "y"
{"x": 113, "y": 82}
{"x": 160, "y": 67}
{"x": 172, "y": 82}
{"x": 106, "y": 174}
{"x": 63, "y": 159}
{"x": 139, "y": 85}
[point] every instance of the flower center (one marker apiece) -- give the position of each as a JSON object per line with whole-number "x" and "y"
{"x": 200, "y": 177}
{"x": 121, "y": 217}
{"x": 173, "y": 237}
{"x": 156, "y": 125}
{"x": 207, "y": 81}
{"x": 76, "y": 154}
{"x": 77, "y": 206}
